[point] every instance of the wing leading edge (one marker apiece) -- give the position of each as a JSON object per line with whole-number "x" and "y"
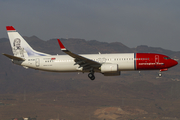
{"x": 84, "y": 62}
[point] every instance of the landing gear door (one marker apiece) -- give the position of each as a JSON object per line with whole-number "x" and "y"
{"x": 156, "y": 58}
{"x": 37, "y": 62}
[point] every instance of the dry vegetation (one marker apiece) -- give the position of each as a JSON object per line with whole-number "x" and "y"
{"x": 130, "y": 96}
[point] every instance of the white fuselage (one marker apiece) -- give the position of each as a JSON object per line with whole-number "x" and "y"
{"x": 65, "y": 63}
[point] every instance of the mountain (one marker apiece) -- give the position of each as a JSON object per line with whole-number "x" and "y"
{"x": 11, "y": 74}
{"x": 132, "y": 95}
{"x": 146, "y": 49}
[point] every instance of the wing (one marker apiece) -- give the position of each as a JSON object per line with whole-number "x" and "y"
{"x": 84, "y": 62}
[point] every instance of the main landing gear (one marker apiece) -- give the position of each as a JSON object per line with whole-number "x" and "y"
{"x": 91, "y": 75}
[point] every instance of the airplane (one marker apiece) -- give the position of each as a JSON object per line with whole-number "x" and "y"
{"x": 107, "y": 64}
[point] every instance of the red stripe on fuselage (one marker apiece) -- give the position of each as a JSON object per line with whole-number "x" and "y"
{"x": 151, "y": 61}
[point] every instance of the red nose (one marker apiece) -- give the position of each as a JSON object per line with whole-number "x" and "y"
{"x": 174, "y": 62}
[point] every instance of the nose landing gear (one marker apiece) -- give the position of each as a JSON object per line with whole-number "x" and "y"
{"x": 160, "y": 74}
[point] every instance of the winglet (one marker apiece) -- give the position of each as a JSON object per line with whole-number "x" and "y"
{"x": 10, "y": 28}
{"x": 61, "y": 45}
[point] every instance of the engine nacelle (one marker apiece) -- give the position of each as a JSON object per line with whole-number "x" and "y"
{"x": 112, "y": 74}
{"x": 110, "y": 69}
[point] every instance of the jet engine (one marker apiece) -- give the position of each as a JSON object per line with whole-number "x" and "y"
{"x": 110, "y": 69}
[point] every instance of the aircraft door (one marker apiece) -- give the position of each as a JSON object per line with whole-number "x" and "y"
{"x": 156, "y": 58}
{"x": 37, "y": 62}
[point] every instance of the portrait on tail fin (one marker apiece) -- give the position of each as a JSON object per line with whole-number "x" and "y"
{"x": 17, "y": 49}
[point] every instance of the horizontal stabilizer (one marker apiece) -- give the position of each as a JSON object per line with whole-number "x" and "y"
{"x": 13, "y": 57}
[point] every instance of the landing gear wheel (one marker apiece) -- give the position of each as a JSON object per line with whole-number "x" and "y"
{"x": 91, "y": 76}
{"x": 160, "y": 74}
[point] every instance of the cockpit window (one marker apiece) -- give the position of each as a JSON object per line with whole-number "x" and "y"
{"x": 167, "y": 58}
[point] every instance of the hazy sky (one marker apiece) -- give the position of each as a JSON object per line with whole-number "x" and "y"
{"x": 132, "y": 22}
